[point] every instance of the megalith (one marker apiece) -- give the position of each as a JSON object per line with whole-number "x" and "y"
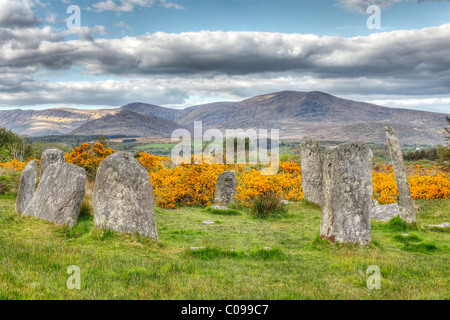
{"x": 27, "y": 187}
{"x": 405, "y": 202}
{"x": 347, "y": 193}
{"x": 312, "y": 170}
{"x": 51, "y": 156}
{"x": 123, "y": 196}
{"x": 225, "y": 187}
{"x": 59, "y": 194}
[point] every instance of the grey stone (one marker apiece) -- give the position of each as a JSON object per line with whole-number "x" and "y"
{"x": 267, "y": 248}
{"x": 384, "y": 212}
{"x": 51, "y": 156}
{"x": 27, "y": 187}
{"x": 442, "y": 225}
{"x": 208, "y": 222}
{"x": 347, "y": 193}
{"x": 312, "y": 170}
{"x": 217, "y": 207}
{"x": 284, "y": 201}
{"x": 123, "y": 196}
{"x": 59, "y": 194}
{"x": 375, "y": 203}
{"x": 405, "y": 202}
{"x": 225, "y": 187}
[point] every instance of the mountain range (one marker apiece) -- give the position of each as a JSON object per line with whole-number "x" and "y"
{"x": 294, "y": 113}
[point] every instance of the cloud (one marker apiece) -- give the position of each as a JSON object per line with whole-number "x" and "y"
{"x": 362, "y": 5}
{"x": 122, "y": 6}
{"x": 122, "y": 24}
{"x": 17, "y": 14}
{"x": 183, "y": 91}
{"x": 129, "y": 5}
{"x": 177, "y": 69}
{"x": 438, "y": 104}
{"x": 170, "y": 5}
{"x": 399, "y": 54}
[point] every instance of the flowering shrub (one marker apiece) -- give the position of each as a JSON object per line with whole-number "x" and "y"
{"x": 424, "y": 183}
{"x": 189, "y": 184}
{"x": 184, "y": 184}
{"x": 287, "y": 184}
{"x": 14, "y": 165}
{"x": 89, "y": 158}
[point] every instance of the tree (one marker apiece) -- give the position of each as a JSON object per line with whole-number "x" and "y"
{"x": 13, "y": 146}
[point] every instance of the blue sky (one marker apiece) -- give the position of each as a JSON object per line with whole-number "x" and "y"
{"x": 182, "y": 53}
{"x": 321, "y": 17}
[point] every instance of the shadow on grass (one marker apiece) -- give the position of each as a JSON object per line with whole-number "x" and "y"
{"x": 228, "y": 212}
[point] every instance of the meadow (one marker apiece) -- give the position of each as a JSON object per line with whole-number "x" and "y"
{"x": 240, "y": 256}
{"x": 35, "y": 255}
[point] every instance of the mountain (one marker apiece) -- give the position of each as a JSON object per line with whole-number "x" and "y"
{"x": 151, "y": 110}
{"x": 128, "y": 123}
{"x": 294, "y": 113}
{"x": 320, "y": 115}
{"x": 49, "y": 121}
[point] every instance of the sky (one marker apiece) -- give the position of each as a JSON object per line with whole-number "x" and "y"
{"x": 183, "y": 53}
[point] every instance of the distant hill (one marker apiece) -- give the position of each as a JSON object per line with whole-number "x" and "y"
{"x": 128, "y": 123}
{"x": 48, "y": 121}
{"x": 320, "y": 115}
{"x": 294, "y": 113}
{"x": 151, "y": 110}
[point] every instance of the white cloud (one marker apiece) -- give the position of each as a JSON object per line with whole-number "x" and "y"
{"x": 170, "y": 5}
{"x": 122, "y": 24}
{"x": 17, "y": 14}
{"x": 439, "y": 104}
{"x": 183, "y": 91}
{"x": 179, "y": 69}
{"x": 400, "y": 54}
{"x": 121, "y": 6}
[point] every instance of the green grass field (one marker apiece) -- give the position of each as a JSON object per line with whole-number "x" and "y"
{"x": 35, "y": 254}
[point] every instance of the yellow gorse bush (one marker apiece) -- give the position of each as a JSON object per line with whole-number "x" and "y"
{"x": 88, "y": 157}
{"x": 13, "y": 165}
{"x": 182, "y": 185}
{"x": 287, "y": 183}
{"x": 194, "y": 184}
{"x": 424, "y": 184}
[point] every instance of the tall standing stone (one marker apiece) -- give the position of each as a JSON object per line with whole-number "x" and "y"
{"x": 28, "y": 179}
{"x": 347, "y": 193}
{"x": 123, "y": 196}
{"x": 59, "y": 194}
{"x": 225, "y": 187}
{"x": 51, "y": 156}
{"x": 312, "y": 170}
{"x": 405, "y": 202}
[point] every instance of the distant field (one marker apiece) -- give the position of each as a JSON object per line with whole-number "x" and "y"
{"x": 35, "y": 255}
{"x": 166, "y": 146}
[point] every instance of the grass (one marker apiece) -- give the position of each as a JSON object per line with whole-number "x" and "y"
{"x": 229, "y": 212}
{"x": 234, "y": 264}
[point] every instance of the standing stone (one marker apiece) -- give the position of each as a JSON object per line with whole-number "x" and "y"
{"x": 51, "y": 156}
{"x": 59, "y": 194}
{"x": 225, "y": 187}
{"x": 405, "y": 202}
{"x": 312, "y": 170}
{"x": 347, "y": 193}
{"x": 123, "y": 196}
{"x": 28, "y": 179}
